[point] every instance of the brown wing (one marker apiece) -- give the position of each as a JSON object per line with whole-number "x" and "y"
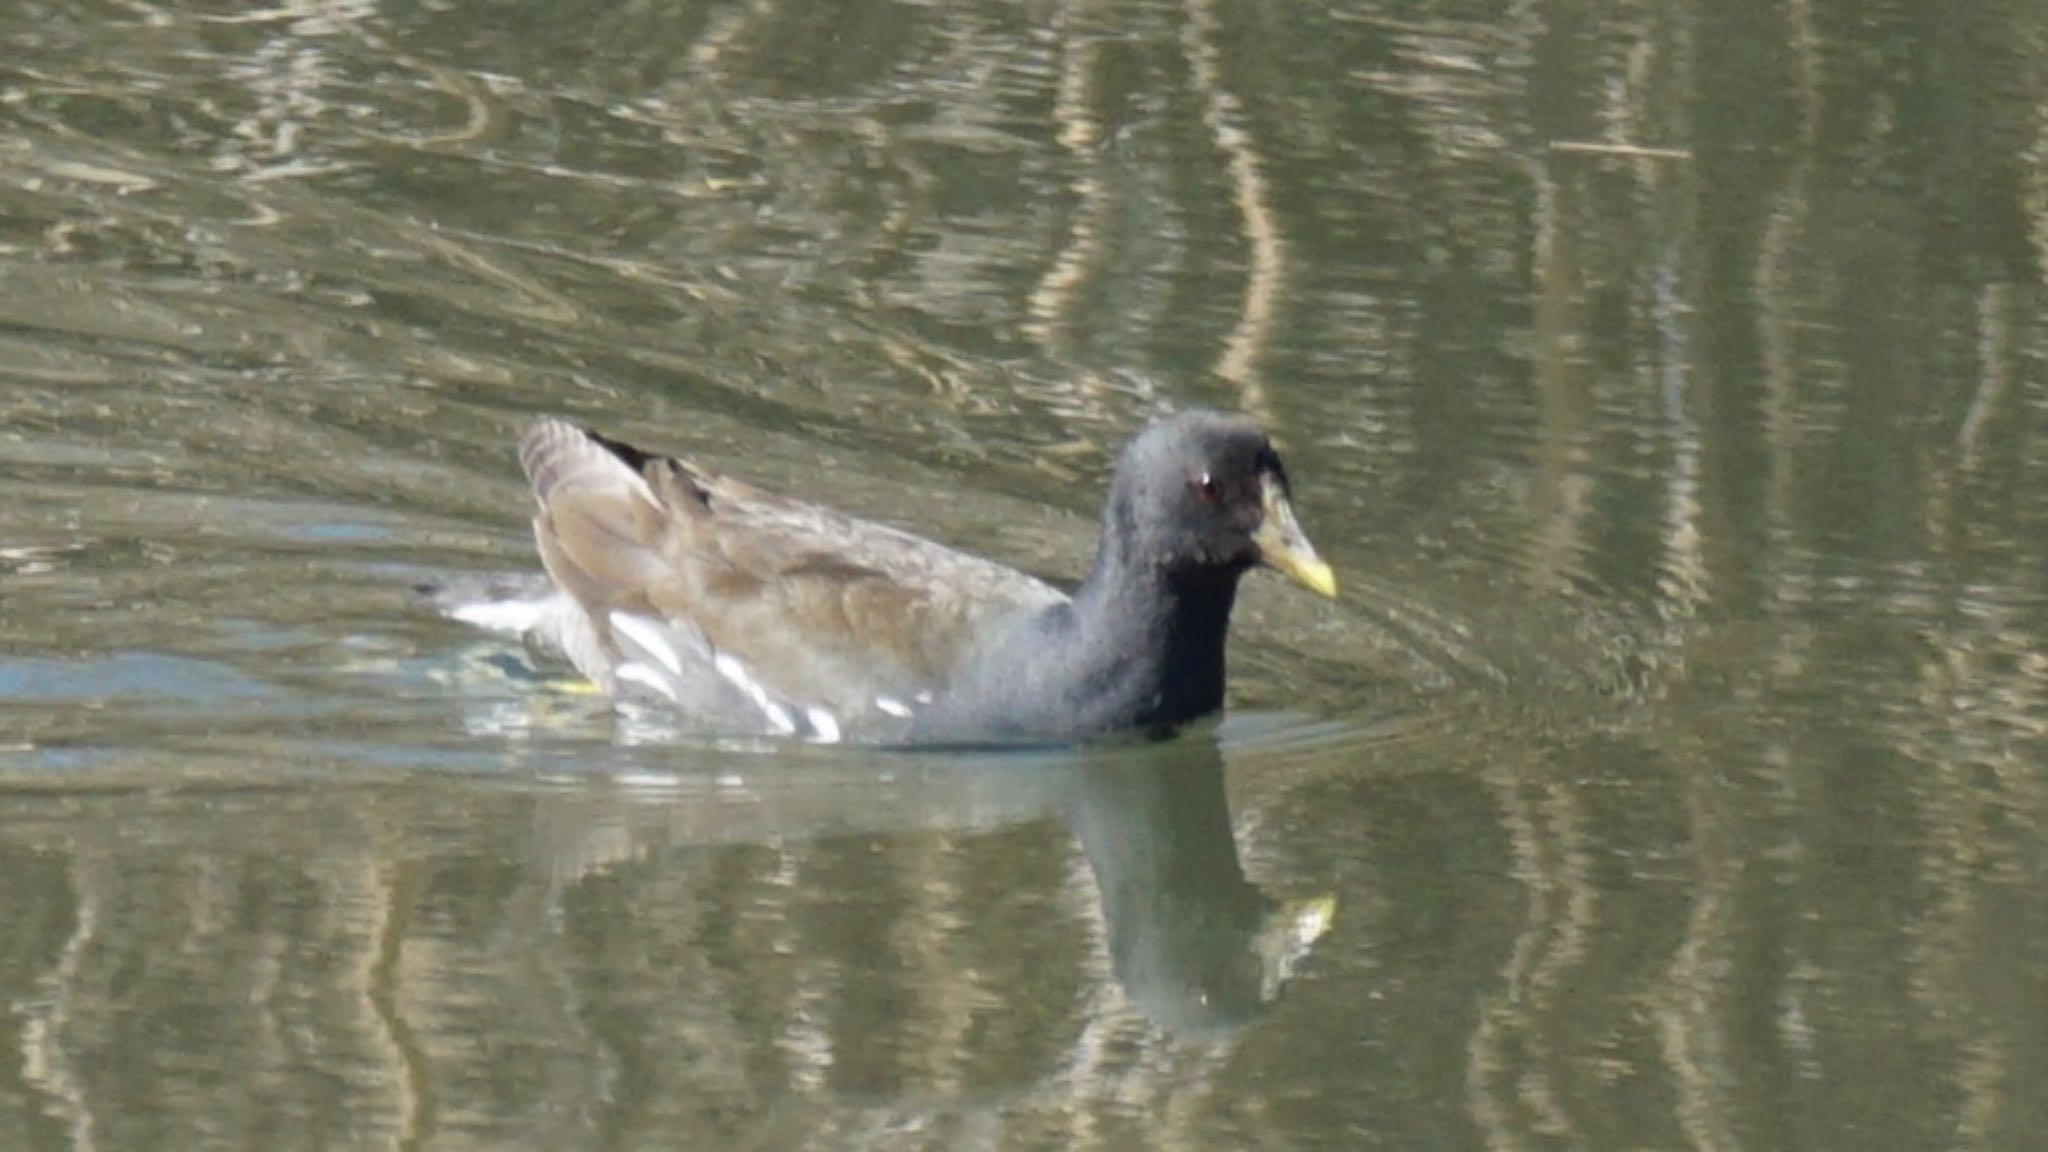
{"x": 821, "y": 606}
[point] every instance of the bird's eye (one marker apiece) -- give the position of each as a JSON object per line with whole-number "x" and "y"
{"x": 1208, "y": 486}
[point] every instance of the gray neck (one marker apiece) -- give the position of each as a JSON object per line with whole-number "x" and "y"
{"x": 1139, "y": 647}
{"x": 1153, "y": 639}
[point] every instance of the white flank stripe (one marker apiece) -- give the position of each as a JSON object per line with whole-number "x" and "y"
{"x": 648, "y": 635}
{"x": 779, "y": 717}
{"x": 730, "y": 667}
{"x": 824, "y": 724}
{"x": 646, "y": 677}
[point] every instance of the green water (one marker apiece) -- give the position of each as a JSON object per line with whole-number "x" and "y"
{"x": 1667, "y": 383}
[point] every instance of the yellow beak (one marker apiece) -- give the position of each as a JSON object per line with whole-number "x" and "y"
{"x": 1284, "y": 546}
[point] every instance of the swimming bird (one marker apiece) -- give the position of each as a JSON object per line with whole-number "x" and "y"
{"x": 752, "y": 610}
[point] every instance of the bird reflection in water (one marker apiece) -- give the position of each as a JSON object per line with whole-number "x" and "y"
{"x": 1195, "y": 946}
{"x": 1193, "y": 942}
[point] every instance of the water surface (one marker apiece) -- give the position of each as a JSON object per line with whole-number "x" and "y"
{"x": 1669, "y": 386}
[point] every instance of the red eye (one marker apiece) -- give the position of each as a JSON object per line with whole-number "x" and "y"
{"x": 1209, "y": 486}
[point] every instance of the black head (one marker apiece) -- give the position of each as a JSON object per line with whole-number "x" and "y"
{"x": 1200, "y": 494}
